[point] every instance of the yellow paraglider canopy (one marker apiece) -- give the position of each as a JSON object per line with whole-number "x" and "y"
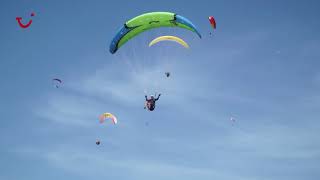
{"x": 108, "y": 115}
{"x": 169, "y": 38}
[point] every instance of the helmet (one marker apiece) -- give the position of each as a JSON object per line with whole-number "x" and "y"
{"x": 152, "y": 97}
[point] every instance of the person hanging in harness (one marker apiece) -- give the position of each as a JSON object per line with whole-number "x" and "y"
{"x": 151, "y": 103}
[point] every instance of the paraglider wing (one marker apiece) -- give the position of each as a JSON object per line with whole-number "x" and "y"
{"x": 169, "y": 38}
{"x": 57, "y": 82}
{"x": 108, "y": 115}
{"x": 148, "y": 21}
{"x": 55, "y": 79}
{"x": 212, "y": 22}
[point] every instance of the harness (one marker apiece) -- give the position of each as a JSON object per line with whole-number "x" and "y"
{"x": 151, "y": 104}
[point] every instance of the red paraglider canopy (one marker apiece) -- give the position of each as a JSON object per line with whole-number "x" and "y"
{"x": 212, "y": 22}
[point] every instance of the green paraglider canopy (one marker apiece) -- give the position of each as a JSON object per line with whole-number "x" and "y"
{"x": 148, "y": 21}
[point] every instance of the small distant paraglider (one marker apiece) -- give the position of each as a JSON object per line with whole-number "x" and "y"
{"x": 105, "y": 116}
{"x": 167, "y": 74}
{"x": 56, "y": 82}
{"x": 212, "y": 22}
{"x": 233, "y": 120}
{"x": 102, "y": 119}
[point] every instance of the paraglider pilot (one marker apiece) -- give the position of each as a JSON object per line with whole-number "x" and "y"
{"x": 151, "y": 103}
{"x": 167, "y": 74}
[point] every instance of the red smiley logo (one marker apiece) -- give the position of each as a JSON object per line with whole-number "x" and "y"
{"x": 24, "y": 25}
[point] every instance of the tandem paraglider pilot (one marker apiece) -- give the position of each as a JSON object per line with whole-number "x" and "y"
{"x": 151, "y": 103}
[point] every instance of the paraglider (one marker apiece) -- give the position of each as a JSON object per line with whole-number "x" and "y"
{"x": 148, "y": 21}
{"x": 151, "y": 103}
{"x": 212, "y": 22}
{"x": 57, "y": 82}
{"x": 233, "y": 120}
{"x": 167, "y": 74}
{"x": 169, "y": 38}
{"x": 105, "y": 116}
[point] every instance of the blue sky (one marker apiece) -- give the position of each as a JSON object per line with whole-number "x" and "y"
{"x": 261, "y": 66}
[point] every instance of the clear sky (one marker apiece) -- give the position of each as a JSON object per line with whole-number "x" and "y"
{"x": 261, "y": 66}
